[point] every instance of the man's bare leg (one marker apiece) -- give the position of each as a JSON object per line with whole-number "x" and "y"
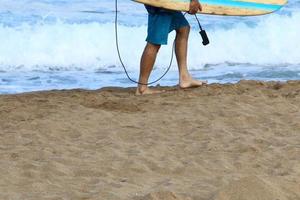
{"x": 146, "y": 66}
{"x": 181, "y": 43}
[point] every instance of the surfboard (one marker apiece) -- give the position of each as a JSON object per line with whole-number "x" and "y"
{"x": 222, "y": 7}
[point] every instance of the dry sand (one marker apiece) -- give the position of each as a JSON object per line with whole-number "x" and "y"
{"x": 218, "y": 142}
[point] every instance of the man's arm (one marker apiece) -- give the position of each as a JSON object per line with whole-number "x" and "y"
{"x": 194, "y": 7}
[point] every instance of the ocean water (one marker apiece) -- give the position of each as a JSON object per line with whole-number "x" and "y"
{"x": 64, "y": 44}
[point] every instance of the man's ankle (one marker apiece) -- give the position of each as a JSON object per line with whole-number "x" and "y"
{"x": 184, "y": 77}
{"x": 142, "y": 88}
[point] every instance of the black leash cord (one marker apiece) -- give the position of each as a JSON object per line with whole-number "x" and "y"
{"x": 198, "y": 22}
{"x": 119, "y": 54}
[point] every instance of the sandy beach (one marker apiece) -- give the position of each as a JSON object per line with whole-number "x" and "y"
{"x": 218, "y": 142}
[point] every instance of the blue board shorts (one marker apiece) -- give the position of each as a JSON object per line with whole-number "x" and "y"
{"x": 161, "y": 22}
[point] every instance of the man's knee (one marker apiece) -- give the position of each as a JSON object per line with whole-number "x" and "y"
{"x": 153, "y": 47}
{"x": 183, "y": 31}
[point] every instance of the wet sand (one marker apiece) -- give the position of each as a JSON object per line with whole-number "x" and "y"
{"x": 218, "y": 142}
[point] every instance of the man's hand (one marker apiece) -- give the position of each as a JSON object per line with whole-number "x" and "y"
{"x": 194, "y": 7}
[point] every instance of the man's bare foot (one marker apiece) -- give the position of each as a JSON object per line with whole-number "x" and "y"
{"x": 143, "y": 91}
{"x": 191, "y": 83}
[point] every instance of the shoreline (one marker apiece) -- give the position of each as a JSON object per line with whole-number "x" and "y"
{"x": 158, "y": 86}
{"x": 216, "y": 142}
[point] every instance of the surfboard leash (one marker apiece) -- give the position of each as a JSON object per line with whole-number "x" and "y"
{"x": 205, "y": 40}
{"x": 203, "y": 34}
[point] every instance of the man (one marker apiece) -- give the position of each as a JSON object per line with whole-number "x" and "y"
{"x": 160, "y": 23}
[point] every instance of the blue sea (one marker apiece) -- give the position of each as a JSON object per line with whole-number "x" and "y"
{"x": 64, "y": 44}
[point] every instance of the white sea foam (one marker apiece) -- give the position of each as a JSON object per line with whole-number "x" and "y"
{"x": 273, "y": 40}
